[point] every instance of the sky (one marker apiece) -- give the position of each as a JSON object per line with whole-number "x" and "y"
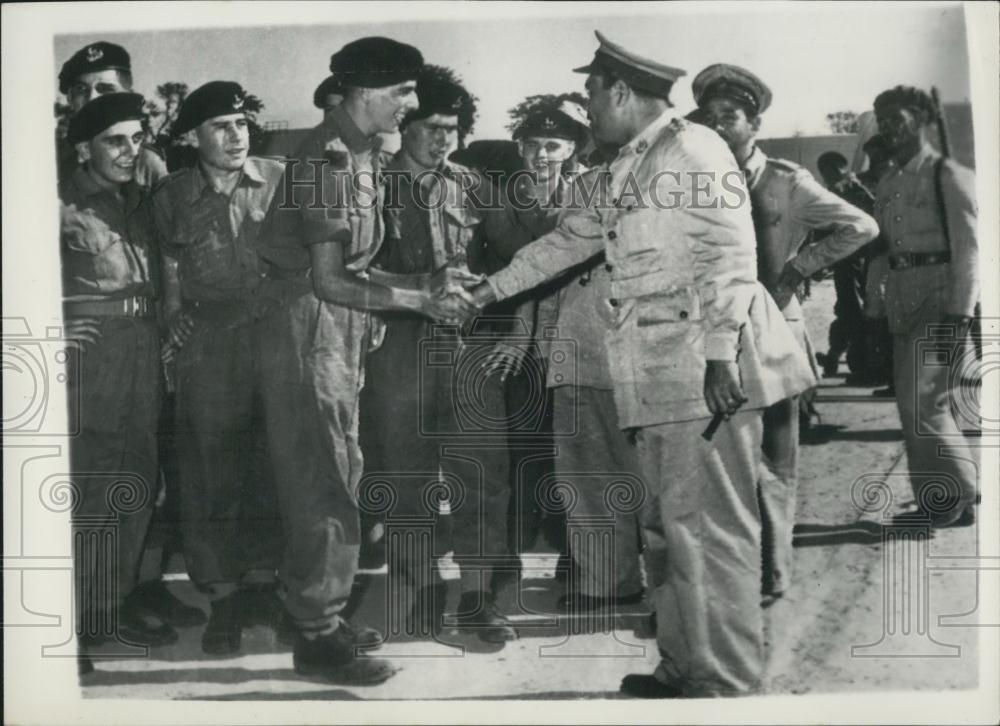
{"x": 816, "y": 58}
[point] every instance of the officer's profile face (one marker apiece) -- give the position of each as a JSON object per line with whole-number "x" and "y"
{"x": 429, "y": 140}
{"x": 544, "y": 156}
{"x": 899, "y": 126}
{"x": 223, "y": 142}
{"x": 110, "y": 156}
{"x": 91, "y": 85}
{"x": 604, "y": 106}
{"x": 387, "y": 107}
{"x": 730, "y": 121}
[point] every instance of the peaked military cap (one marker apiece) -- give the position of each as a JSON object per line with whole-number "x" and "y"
{"x": 906, "y": 96}
{"x": 554, "y": 123}
{"x": 215, "y": 98}
{"x": 329, "y": 86}
{"x": 375, "y": 62}
{"x": 102, "y": 113}
{"x": 99, "y": 56}
{"x": 440, "y": 91}
{"x": 635, "y": 70}
{"x": 729, "y": 81}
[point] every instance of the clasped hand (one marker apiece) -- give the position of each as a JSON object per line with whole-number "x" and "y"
{"x": 447, "y": 297}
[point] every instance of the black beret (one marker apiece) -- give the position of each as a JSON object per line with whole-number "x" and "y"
{"x": 215, "y": 98}
{"x": 440, "y": 91}
{"x": 729, "y": 81}
{"x": 906, "y": 96}
{"x": 99, "y": 56}
{"x": 375, "y": 62}
{"x": 328, "y": 86}
{"x": 552, "y": 123}
{"x": 103, "y": 112}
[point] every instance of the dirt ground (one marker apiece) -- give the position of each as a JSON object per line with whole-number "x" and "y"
{"x": 868, "y": 610}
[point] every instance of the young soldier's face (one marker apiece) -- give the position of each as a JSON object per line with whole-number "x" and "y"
{"x": 729, "y": 120}
{"x": 899, "y": 126}
{"x": 111, "y": 155}
{"x": 429, "y": 140}
{"x": 387, "y": 107}
{"x": 223, "y": 142}
{"x": 544, "y": 156}
{"x": 91, "y": 85}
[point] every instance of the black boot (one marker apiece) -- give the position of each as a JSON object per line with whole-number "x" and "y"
{"x": 225, "y": 628}
{"x": 640, "y": 685}
{"x": 334, "y": 658}
{"x": 154, "y": 598}
{"x": 478, "y": 613}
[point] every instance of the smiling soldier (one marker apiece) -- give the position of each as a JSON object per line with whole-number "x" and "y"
{"x": 208, "y": 217}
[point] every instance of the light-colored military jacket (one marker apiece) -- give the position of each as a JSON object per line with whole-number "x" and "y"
{"x": 907, "y": 209}
{"x": 672, "y": 214}
{"x": 788, "y": 203}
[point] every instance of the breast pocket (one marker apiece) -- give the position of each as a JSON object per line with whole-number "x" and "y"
{"x": 99, "y": 256}
{"x": 459, "y": 227}
{"x": 921, "y": 214}
{"x": 207, "y": 256}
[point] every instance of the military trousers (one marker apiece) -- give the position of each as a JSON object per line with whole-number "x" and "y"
{"x": 933, "y": 411}
{"x": 114, "y": 394}
{"x": 779, "y": 483}
{"x": 309, "y": 353}
{"x": 229, "y": 515}
{"x": 599, "y": 461}
{"x": 434, "y": 431}
{"x": 702, "y": 528}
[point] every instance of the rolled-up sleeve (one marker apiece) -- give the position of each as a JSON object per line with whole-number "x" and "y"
{"x": 816, "y": 207}
{"x": 958, "y": 187}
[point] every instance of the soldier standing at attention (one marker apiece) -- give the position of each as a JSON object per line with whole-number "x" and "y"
{"x": 696, "y": 339}
{"x": 208, "y": 217}
{"x": 787, "y": 203}
{"x": 926, "y": 206}
{"x": 323, "y": 229}
{"x": 413, "y": 425}
{"x": 109, "y": 291}
{"x": 93, "y": 71}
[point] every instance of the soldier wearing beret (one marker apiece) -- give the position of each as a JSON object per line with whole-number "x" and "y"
{"x": 92, "y": 71}
{"x": 695, "y": 339}
{"x": 926, "y": 206}
{"x": 787, "y": 203}
{"x": 412, "y": 422}
{"x": 327, "y": 95}
{"x": 208, "y": 217}
{"x": 322, "y": 231}
{"x": 109, "y": 291}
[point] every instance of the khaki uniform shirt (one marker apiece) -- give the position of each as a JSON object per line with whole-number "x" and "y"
{"x": 788, "y": 203}
{"x": 683, "y": 276}
{"x": 907, "y": 210}
{"x": 214, "y": 236}
{"x": 106, "y": 241}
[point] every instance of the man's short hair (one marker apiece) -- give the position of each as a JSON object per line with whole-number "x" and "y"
{"x": 908, "y": 97}
{"x": 608, "y": 79}
{"x": 830, "y": 161}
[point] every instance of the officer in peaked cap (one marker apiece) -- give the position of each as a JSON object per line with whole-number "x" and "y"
{"x": 94, "y": 70}
{"x": 682, "y": 288}
{"x": 787, "y": 204}
{"x": 641, "y": 73}
{"x": 215, "y": 98}
{"x": 728, "y": 81}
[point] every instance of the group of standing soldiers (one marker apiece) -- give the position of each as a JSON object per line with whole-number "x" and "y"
{"x": 343, "y": 301}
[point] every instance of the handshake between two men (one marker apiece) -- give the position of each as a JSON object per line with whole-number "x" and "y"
{"x": 456, "y": 295}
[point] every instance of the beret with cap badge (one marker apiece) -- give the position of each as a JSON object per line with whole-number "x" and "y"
{"x": 99, "y": 56}
{"x": 729, "y": 81}
{"x": 329, "y": 86}
{"x": 102, "y": 113}
{"x": 215, "y": 98}
{"x": 375, "y": 62}
{"x": 441, "y": 92}
{"x": 554, "y": 123}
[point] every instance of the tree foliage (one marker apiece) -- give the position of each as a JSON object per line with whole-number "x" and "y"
{"x": 843, "y": 122}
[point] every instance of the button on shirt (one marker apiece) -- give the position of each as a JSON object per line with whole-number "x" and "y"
{"x": 213, "y": 236}
{"x": 106, "y": 241}
{"x": 907, "y": 210}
